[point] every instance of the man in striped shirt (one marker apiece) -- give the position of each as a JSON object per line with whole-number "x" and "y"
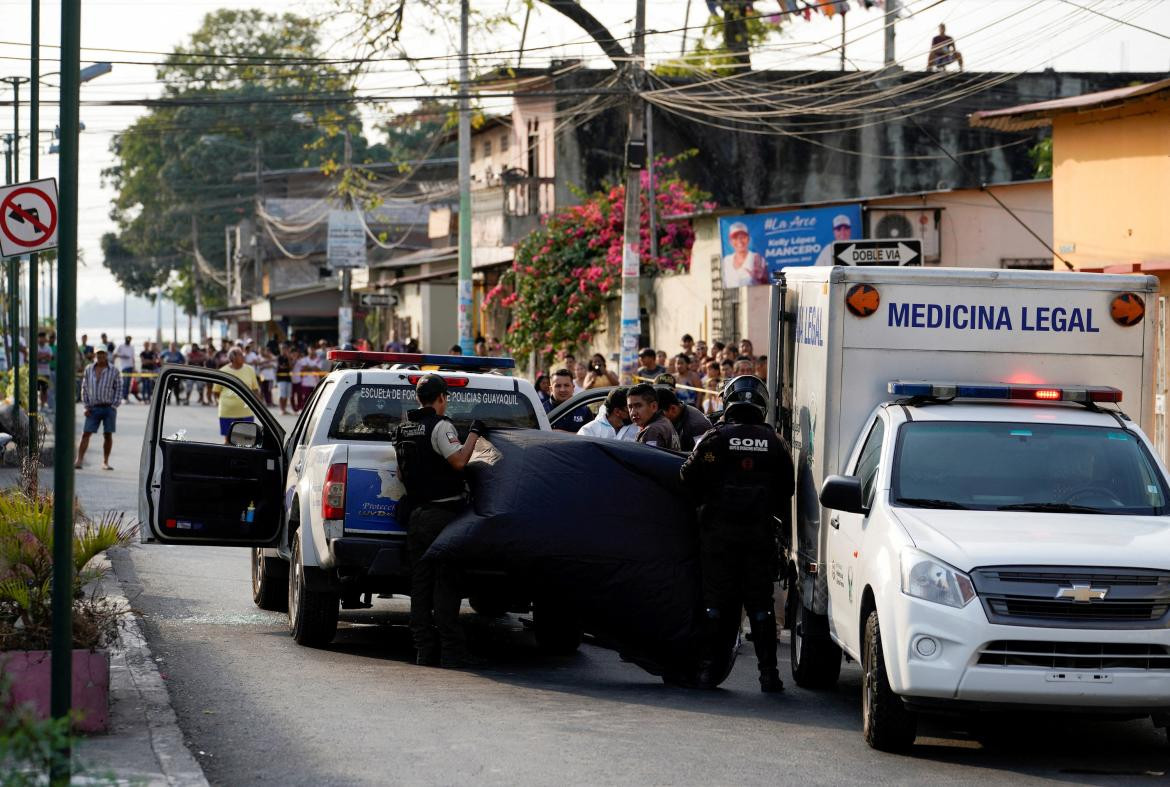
{"x": 101, "y": 393}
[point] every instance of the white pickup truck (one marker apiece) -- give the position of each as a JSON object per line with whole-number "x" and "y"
{"x": 317, "y": 507}
{"x": 977, "y": 522}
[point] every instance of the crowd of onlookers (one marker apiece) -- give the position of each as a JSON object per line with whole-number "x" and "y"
{"x": 287, "y": 372}
{"x": 672, "y": 398}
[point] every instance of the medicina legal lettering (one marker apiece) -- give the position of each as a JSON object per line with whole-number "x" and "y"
{"x": 979, "y": 317}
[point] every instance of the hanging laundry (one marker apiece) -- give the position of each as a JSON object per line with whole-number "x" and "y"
{"x": 790, "y": 6}
{"x": 827, "y": 7}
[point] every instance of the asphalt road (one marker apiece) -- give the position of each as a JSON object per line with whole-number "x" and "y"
{"x": 255, "y": 707}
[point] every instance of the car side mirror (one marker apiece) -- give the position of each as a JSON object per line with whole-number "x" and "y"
{"x": 244, "y": 434}
{"x": 843, "y": 493}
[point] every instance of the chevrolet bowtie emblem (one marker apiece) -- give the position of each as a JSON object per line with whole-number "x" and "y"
{"x": 1083, "y": 593}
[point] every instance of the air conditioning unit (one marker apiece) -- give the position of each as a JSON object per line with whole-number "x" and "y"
{"x": 920, "y": 223}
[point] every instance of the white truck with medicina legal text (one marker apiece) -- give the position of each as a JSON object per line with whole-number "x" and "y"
{"x": 980, "y": 520}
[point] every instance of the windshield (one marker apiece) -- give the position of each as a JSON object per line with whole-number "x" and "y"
{"x": 370, "y": 411}
{"x": 1025, "y": 467}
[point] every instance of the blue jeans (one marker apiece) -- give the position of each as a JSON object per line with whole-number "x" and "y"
{"x": 101, "y": 414}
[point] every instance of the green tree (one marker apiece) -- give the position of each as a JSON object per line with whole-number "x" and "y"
{"x": 247, "y": 91}
{"x": 1041, "y": 155}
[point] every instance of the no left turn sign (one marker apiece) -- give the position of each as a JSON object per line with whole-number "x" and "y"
{"x": 28, "y": 217}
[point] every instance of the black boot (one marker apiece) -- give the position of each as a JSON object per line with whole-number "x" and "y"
{"x": 427, "y": 657}
{"x": 763, "y": 625}
{"x": 770, "y": 682}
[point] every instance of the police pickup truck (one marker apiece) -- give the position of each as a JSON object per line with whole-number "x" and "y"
{"x": 317, "y": 507}
{"x": 977, "y": 521}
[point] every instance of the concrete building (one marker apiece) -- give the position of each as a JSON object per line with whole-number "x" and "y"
{"x": 564, "y": 137}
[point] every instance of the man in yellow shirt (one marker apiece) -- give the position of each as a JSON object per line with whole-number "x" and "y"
{"x": 231, "y": 407}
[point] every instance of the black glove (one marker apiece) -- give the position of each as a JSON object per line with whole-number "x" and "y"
{"x": 479, "y": 427}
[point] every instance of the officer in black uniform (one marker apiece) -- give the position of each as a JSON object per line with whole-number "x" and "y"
{"x": 431, "y": 459}
{"x": 743, "y": 472}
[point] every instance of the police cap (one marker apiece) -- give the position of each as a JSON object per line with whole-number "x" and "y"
{"x": 429, "y": 388}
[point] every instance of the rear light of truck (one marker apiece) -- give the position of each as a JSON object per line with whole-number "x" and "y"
{"x": 1089, "y": 394}
{"x": 333, "y": 493}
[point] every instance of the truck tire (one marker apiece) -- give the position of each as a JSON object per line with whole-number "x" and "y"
{"x": 816, "y": 659}
{"x": 886, "y": 722}
{"x": 557, "y": 633}
{"x": 312, "y": 614}
{"x": 488, "y": 606}
{"x": 269, "y": 582}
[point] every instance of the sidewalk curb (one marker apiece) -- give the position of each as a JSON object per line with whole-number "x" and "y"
{"x": 133, "y": 673}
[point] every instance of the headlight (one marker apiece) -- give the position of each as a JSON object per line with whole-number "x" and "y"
{"x": 930, "y": 579}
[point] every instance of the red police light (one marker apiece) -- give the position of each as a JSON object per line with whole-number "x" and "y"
{"x": 1048, "y": 394}
{"x": 452, "y": 382}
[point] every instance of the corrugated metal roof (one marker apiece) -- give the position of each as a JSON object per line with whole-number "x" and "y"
{"x": 1039, "y": 114}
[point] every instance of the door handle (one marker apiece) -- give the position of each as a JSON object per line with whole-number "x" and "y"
{"x": 835, "y": 522}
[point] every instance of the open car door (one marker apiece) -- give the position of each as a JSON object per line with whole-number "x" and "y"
{"x": 194, "y": 488}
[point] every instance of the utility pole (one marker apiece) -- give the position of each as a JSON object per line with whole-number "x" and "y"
{"x": 34, "y": 168}
{"x": 62, "y": 603}
{"x": 651, "y": 196}
{"x": 345, "y": 312}
{"x": 891, "y": 18}
{"x": 631, "y": 235}
{"x": 195, "y": 282}
{"x": 14, "y": 263}
{"x": 465, "y": 339}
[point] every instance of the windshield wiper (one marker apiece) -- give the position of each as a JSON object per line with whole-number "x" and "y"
{"x": 927, "y": 502}
{"x": 1056, "y": 508}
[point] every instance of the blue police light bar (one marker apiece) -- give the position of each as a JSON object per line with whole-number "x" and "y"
{"x": 465, "y": 362}
{"x": 1083, "y": 394}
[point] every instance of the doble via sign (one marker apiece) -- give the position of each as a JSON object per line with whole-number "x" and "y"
{"x": 887, "y": 251}
{"x": 28, "y": 217}
{"x": 379, "y": 299}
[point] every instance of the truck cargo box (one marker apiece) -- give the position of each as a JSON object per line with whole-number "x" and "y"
{"x": 851, "y": 330}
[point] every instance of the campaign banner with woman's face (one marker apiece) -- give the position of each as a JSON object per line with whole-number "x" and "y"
{"x": 757, "y": 244}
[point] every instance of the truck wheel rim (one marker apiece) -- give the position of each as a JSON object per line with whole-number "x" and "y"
{"x": 296, "y": 588}
{"x": 867, "y": 695}
{"x": 257, "y": 571}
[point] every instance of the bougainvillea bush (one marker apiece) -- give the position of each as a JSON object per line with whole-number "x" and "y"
{"x": 564, "y": 272}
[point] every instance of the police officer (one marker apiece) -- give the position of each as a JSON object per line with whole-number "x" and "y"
{"x": 431, "y": 460}
{"x": 743, "y": 472}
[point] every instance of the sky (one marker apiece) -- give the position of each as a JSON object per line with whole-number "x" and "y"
{"x": 994, "y": 35}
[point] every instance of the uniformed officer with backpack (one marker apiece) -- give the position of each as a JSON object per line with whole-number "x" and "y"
{"x": 744, "y": 474}
{"x": 431, "y": 460}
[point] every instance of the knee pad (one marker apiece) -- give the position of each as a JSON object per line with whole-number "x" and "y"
{"x": 763, "y": 616}
{"x": 712, "y": 614}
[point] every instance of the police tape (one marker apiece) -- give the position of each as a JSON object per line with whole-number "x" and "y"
{"x": 154, "y": 375}
{"x": 640, "y": 379}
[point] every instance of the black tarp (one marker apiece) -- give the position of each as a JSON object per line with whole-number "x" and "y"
{"x": 604, "y": 529}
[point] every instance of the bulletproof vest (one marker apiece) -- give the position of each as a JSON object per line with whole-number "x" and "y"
{"x": 426, "y": 475}
{"x": 749, "y": 463}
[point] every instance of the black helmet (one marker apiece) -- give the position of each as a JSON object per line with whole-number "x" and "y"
{"x": 745, "y": 398}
